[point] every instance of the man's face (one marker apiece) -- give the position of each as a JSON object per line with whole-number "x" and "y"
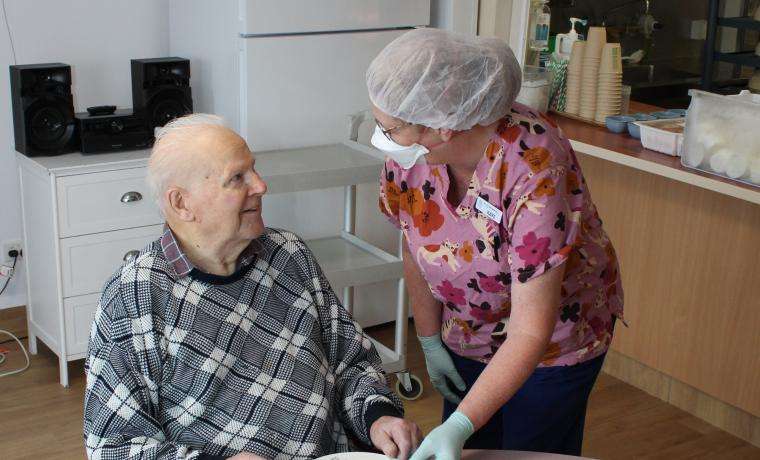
{"x": 226, "y": 202}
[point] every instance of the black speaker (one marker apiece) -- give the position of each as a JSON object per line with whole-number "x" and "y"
{"x": 43, "y": 109}
{"x": 161, "y": 89}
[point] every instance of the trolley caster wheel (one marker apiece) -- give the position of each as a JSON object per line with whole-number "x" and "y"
{"x": 414, "y": 392}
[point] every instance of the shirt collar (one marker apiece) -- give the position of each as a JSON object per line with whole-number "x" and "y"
{"x": 182, "y": 265}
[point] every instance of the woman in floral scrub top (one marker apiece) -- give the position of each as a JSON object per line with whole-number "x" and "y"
{"x": 506, "y": 260}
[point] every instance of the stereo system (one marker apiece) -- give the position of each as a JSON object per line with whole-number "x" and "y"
{"x": 120, "y": 130}
{"x": 44, "y": 122}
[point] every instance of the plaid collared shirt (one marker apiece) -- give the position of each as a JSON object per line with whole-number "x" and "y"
{"x": 182, "y": 265}
{"x": 178, "y": 368}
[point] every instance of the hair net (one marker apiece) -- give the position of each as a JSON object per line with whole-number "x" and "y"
{"x": 442, "y": 79}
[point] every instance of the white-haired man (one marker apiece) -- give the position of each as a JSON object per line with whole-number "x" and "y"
{"x": 223, "y": 337}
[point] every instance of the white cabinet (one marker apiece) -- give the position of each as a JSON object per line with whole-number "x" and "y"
{"x": 83, "y": 215}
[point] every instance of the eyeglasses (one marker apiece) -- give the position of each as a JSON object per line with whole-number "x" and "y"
{"x": 387, "y": 132}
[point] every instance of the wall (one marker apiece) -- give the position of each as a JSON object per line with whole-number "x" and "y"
{"x": 97, "y": 39}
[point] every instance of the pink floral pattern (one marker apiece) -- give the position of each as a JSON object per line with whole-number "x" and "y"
{"x": 451, "y": 294}
{"x": 470, "y": 262}
{"x": 534, "y": 250}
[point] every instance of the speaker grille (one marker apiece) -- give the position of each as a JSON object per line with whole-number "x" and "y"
{"x": 43, "y": 110}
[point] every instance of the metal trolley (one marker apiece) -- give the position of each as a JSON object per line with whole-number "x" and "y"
{"x": 408, "y": 385}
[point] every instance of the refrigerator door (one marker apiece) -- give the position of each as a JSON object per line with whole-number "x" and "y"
{"x": 298, "y": 90}
{"x": 267, "y": 17}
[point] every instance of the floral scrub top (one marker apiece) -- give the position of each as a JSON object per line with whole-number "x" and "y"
{"x": 530, "y": 174}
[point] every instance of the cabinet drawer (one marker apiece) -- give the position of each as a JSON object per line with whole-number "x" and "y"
{"x": 79, "y": 313}
{"x": 88, "y": 261}
{"x": 100, "y": 202}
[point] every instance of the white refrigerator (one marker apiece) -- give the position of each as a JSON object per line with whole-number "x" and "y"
{"x": 287, "y": 74}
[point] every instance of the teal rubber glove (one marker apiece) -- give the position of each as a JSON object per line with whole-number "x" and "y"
{"x": 439, "y": 366}
{"x": 447, "y": 440}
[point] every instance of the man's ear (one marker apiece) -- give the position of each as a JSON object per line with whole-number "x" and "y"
{"x": 176, "y": 199}
{"x": 446, "y": 134}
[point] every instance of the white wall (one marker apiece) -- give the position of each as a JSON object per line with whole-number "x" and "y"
{"x": 97, "y": 38}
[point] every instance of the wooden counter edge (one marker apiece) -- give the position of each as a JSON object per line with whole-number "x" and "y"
{"x": 680, "y": 175}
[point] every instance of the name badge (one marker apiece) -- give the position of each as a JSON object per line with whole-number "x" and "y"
{"x": 488, "y": 209}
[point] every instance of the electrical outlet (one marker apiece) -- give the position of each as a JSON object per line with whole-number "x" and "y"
{"x": 10, "y": 245}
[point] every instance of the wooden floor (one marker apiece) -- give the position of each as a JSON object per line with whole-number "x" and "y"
{"x": 41, "y": 420}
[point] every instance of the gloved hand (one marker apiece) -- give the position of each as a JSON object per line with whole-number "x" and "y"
{"x": 439, "y": 365}
{"x": 446, "y": 441}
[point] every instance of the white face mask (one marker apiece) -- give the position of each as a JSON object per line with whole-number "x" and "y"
{"x": 405, "y": 156}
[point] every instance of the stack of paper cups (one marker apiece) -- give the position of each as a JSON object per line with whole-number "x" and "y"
{"x": 609, "y": 96}
{"x": 574, "y": 66}
{"x": 592, "y": 55}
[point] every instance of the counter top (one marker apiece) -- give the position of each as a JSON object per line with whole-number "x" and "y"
{"x": 623, "y": 149}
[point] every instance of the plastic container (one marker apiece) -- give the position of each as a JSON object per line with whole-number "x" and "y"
{"x": 722, "y": 135}
{"x": 664, "y": 136}
{"x": 535, "y": 88}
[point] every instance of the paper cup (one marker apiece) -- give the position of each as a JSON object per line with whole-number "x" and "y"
{"x": 595, "y": 41}
{"x": 597, "y": 35}
{"x": 576, "y": 57}
{"x": 611, "y": 58}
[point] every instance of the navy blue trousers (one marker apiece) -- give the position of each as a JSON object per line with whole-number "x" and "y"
{"x": 546, "y": 414}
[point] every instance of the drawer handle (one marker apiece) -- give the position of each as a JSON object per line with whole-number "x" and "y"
{"x": 130, "y": 256}
{"x": 129, "y": 197}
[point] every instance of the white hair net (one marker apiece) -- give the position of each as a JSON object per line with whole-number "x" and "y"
{"x": 442, "y": 79}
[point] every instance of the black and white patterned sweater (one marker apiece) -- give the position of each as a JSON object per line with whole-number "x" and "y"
{"x": 265, "y": 361}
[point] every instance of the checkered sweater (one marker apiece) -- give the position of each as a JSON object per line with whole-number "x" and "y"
{"x": 178, "y": 368}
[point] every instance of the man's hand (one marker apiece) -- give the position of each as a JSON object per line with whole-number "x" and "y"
{"x": 396, "y": 437}
{"x": 246, "y": 456}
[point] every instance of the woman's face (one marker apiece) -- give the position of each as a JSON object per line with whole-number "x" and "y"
{"x": 404, "y": 133}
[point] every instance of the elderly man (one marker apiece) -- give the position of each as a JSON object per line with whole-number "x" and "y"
{"x": 223, "y": 338}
